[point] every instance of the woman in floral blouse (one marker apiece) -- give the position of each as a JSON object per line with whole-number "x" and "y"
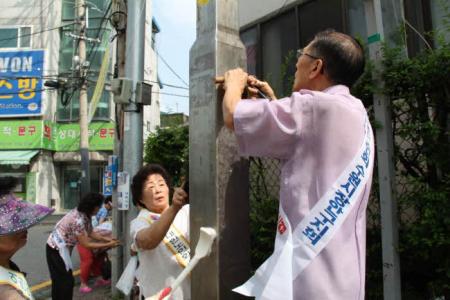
{"x": 75, "y": 227}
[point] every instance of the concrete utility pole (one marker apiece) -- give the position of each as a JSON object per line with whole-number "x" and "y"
{"x": 385, "y": 154}
{"x": 84, "y": 132}
{"x": 219, "y": 186}
{"x": 133, "y": 112}
{"x": 117, "y": 265}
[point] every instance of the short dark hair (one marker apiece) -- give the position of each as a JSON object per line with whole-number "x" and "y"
{"x": 343, "y": 56}
{"x": 89, "y": 202}
{"x": 108, "y": 199}
{"x": 140, "y": 178}
{"x": 7, "y": 185}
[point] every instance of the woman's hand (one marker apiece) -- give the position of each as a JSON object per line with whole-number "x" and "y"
{"x": 179, "y": 198}
{"x": 99, "y": 237}
{"x": 113, "y": 243}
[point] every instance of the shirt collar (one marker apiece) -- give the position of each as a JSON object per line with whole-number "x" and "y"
{"x": 337, "y": 89}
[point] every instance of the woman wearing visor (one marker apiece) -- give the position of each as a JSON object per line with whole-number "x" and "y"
{"x": 16, "y": 217}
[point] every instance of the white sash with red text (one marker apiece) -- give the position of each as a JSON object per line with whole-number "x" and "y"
{"x": 295, "y": 249}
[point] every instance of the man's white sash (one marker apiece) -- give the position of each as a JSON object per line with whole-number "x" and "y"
{"x": 16, "y": 280}
{"x": 295, "y": 249}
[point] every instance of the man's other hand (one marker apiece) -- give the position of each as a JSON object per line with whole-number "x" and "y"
{"x": 254, "y": 85}
{"x": 235, "y": 79}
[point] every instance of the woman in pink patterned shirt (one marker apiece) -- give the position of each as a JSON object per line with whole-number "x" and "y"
{"x": 75, "y": 227}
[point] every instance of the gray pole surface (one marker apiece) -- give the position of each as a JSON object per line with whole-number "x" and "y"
{"x": 133, "y": 113}
{"x": 84, "y": 135}
{"x": 385, "y": 154}
{"x": 117, "y": 265}
{"x": 218, "y": 176}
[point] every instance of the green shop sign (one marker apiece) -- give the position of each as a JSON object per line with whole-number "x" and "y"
{"x": 101, "y": 137}
{"x": 39, "y": 134}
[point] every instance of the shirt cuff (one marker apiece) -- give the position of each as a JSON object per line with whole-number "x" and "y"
{"x": 246, "y": 109}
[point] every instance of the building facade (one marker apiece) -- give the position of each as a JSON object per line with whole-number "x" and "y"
{"x": 39, "y": 95}
{"x": 272, "y": 30}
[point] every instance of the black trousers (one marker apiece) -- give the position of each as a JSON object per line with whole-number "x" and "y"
{"x": 62, "y": 280}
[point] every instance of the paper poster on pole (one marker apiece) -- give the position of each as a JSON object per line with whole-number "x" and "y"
{"x": 123, "y": 191}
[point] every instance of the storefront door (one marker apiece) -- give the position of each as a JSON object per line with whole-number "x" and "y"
{"x": 71, "y": 184}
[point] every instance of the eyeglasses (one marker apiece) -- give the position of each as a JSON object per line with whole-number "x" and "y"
{"x": 300, "y": 52}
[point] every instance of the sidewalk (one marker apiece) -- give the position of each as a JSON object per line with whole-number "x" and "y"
{"x": 99, "y": 293}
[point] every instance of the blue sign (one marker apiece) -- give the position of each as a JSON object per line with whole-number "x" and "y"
{"x": 21, "y": 74}
{"x": 107, "y": 182}
{"x": 113, "y": 163}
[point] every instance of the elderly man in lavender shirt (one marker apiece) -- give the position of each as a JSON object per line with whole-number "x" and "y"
{"x": 318, "y": 133}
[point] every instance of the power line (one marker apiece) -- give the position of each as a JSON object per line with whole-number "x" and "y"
{"x": 169, "y": 94}
{"x": 26, "y": 92}
{"x": 169, "y": 85}
{"x": 170, "y": 68}
{"x": 37, "y": 32}
{"x": 28, "y": 77}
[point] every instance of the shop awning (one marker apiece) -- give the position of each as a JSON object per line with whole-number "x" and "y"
{"x": 17, "y": 157}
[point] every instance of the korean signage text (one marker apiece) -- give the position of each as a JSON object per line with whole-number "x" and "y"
{"x": 38, "y": 134}
{"x": 21, "y": 82}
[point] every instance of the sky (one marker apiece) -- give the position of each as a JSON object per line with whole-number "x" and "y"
{"x": 177, "y": 22}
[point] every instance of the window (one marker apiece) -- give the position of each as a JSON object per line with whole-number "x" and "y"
{"x": 250, "y": 40}
{"x": 98, "y": 27}
{"x": 418, "y": 15}
{"x": 279, "y": 52}
{"x": 15, "y": 37}
{"x": 271, "y": 45}
{"x": 440, "y": 17}
{"x": 20, "y": 172}
{"x": 319, "y": 15}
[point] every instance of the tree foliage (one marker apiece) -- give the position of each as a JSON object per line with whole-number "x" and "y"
{"x": 419, "y": 92}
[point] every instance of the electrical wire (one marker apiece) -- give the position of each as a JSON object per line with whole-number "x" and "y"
{"x": 170, "y": 94}
{"x": 27, "y": 92}
{"x": 169, "y": 85}
{"x": 37, "y": 32}
{"x": 170, "y": 68}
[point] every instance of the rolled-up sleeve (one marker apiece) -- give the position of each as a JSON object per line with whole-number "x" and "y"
{"x": 265, "y": 128}
{"x": 137, "y": 225}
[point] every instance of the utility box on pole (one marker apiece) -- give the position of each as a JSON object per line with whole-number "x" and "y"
{"x": 218, "y": 176}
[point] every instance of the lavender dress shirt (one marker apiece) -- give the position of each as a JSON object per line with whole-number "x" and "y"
{"x": 315, "y": 135}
